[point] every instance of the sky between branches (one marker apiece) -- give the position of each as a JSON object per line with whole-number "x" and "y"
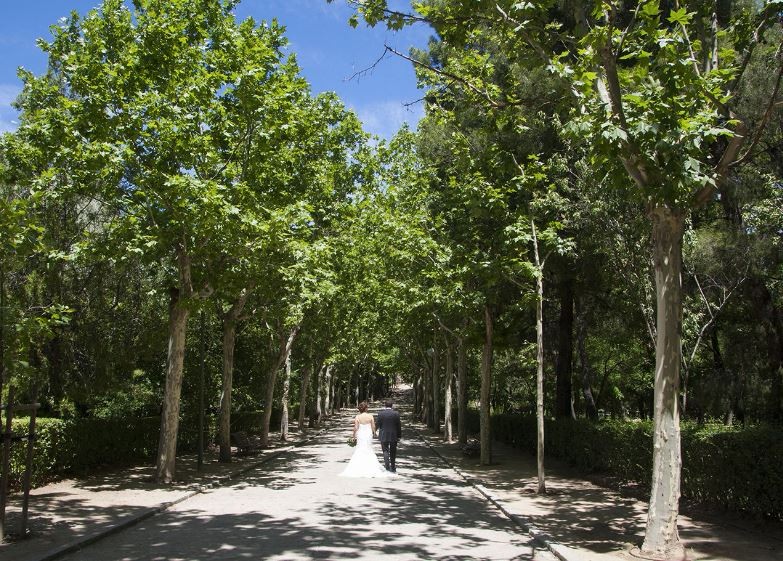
{"x": 328, "y": 50}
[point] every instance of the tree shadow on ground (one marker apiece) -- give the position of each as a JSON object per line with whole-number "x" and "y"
{"x": 426, "y": 513}
{"x": 583, "y": 515}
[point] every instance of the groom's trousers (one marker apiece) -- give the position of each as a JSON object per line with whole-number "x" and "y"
{"x": 389, "y": 455}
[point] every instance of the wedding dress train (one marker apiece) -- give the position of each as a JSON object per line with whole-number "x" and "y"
{"x": 364, "y": 462}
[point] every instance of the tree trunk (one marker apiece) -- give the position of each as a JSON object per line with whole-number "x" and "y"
{"x": 286, "y": 390}
{"x": 462, "y": 391}
{"x": 169, "y": 418}
{"x": 564, "y": 391}
{"x": 540, "y": 363}
{"x": 584, "y": 364}
{"x": 328, "y": 394}
{"x": 426, "y": 410}
{"x": 772, "y": 323}
{"x": 224, "y": 430}
{"x": 486, "y": 385}
{"x": 318, "y": 395}
{"x": 271, "y": 378}
{"x": 2, "y": 331}
{"x": 436, "y": 383}
{"x": 661, "y": 536}
{"x": 416, "y": 390}
{"x": 303, "y": 396}
{"x": 230, "y": 319}
{"x": 447, "y": 428}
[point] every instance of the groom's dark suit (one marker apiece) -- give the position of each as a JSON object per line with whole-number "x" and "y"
{"x": 389, "y": 432}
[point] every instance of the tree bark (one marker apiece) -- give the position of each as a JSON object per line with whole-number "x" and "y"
{"x": 540, "y": 363}
{"x": 426, "y": 409}
{"x": 271, "y": 378}
{"x": 318, "y": 395}
{"x": 169, "y": 418}
{"x": 486, "y": 386}
{"x": 303, "y": 396}
{"x": 772, "y": 323}
{"x": 462, "y": 391}
{"x": 328, "y": 395}
{"x": 436, "y": 383}
{"x": 224, "y": 430}
{"x": 565, "y": 351}
{"x": 230, "y": 320}
{"x": 2, "y": 330}
{"x": 584, "y": 363}
{"x": 661, "y": 536}
{"x": 447, "y": 425}
{"x": 286, "y": 390}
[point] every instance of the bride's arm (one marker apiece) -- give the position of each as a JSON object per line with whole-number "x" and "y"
{"x": 372, "y": 424}
{"x": 355, "y": 425}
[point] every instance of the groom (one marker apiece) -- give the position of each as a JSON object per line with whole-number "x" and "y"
{"x": 389, "y": 432}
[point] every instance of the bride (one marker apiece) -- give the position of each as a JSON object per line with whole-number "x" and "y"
{"x": 364, "y": 462}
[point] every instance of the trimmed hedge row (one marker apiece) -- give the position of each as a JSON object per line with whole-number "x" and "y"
{"x": 77, "y": 445}
{"x": 736, "y": 468}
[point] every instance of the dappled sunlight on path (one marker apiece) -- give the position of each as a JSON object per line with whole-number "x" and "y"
{"x": 297, "y": 507}
{"x": 595, "y": 522}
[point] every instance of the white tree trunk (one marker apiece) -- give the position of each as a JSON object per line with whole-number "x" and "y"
{"x": 286, "y": 390}
{"x": 540, "y": 364}
{"x": 285, "y": 350}
{"x": 486, "y": 385}
{"x": 319, "y": 390}
{"x": 224, "y": 430}
{"x": 447, "y": 429}
{"x": 661, "y": 537}
{"x": 462, "y": 392}
{"x": 436, "y": 384}
{"x": 306, "y": 375}
{"x": 169, "y": 419}
{"x": 229, "y": 339}
{"x": 328, "y": 391}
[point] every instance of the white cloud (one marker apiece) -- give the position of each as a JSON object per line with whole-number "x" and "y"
{"x": 8, "y": 93}
{"x": 386, "y": 117}
{"x": 8, "y": 114}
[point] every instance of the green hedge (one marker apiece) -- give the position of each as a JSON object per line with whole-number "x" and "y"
{"x": 74, "y": 446}
{"x": 736, "y": 468}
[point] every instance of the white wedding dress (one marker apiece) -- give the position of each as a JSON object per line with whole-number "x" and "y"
{"x": 364, "y": 462}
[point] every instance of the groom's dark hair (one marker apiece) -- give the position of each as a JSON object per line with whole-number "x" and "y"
{"x": 388, "y": 403}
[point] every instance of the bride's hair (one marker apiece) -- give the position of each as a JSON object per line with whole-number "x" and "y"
{"x": 363, "y": 407}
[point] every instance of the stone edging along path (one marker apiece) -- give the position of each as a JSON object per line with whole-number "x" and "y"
{"x": 558, "y": 550}
{"x": 132, "y": 520}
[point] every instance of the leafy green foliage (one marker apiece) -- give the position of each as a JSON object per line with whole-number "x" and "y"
{"x": 729, "y": 467}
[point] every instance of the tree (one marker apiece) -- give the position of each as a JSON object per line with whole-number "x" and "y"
{"x": 675, "y": 137}
{"x": 104, "y": 118}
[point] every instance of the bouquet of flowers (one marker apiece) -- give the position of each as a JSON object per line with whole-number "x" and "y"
{"x": 351, "y": 441}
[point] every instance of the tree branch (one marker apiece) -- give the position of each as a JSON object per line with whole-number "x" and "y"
{"x": 483, "y": 93}
{"x": 520, "y": 28}
{"x": 771, "y": 106}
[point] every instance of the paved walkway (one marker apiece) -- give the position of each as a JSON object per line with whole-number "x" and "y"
{"x": 289, "y": 504}
{"x": 291, "y": 507}
{"x": 582, "y": 521}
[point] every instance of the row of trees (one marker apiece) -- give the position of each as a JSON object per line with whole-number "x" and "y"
{"x": 570, "y": 143}
{"x": 172, "y": 160}
{"x": 587, "y": 221}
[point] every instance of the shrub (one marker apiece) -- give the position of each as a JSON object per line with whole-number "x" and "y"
{"x": 737, "y": 468}
{"x": 73, "y": 446}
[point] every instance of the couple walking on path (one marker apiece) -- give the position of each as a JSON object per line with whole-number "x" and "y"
{"x": 364, "y": 462}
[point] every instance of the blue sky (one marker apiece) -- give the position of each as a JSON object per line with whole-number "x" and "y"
{"x": 327, "y": 48}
